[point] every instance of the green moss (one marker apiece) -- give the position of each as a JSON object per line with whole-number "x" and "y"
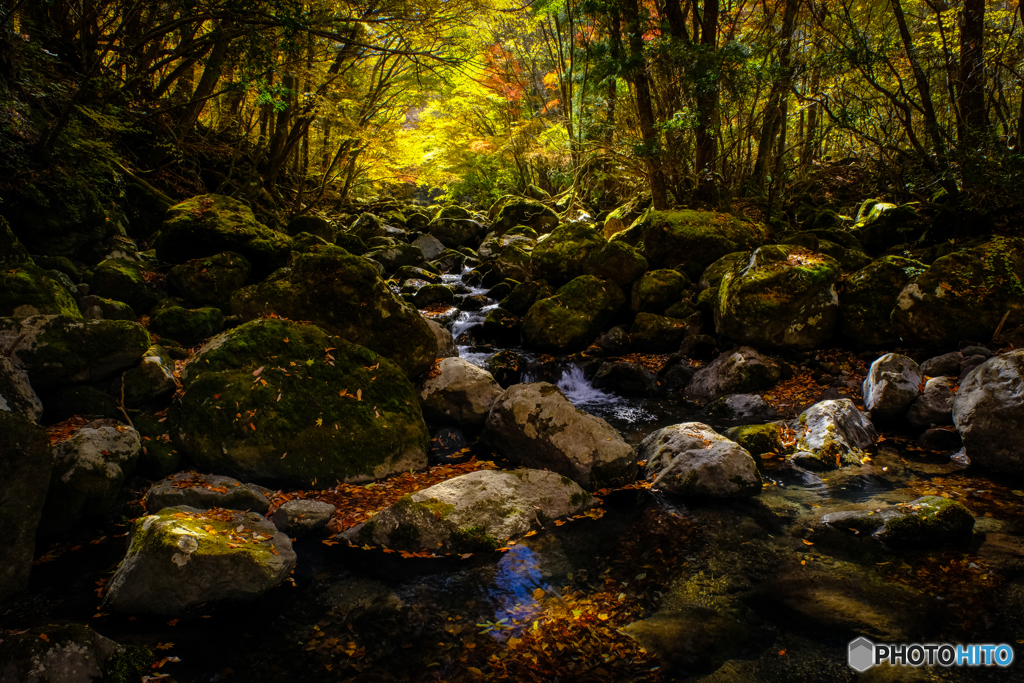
{"x": 928, "y": 518}
{"x": 405, "y": 534}
{"x": 366, "y": 532}
{"x": 758, "y": 439}
{"x": 475, "y": 539}
{"x": 573, "y": 316}
{"x": 27, "y": 290}
{"x": 187, "y": 326}
{"x": 580, "y": 498}
{"x": 128, "y": 666}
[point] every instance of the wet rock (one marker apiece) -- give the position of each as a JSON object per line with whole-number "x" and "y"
{"x": 869, "y": 296}
{"x": 615, "y": 341}
{"x": 89, "y": 468}
{"x": 430, "y": 246}
{"x": 501, "y": 290}
{"x": 475, "y": 512}
{"x": 204, "y": 492}
{"x": 344, "y": 295}
{"x": 745, "y": 407}
{"x": 502, "y": 328}
{"x": 935, "y": 404}
{"x": 413, "y": 273}
{"x": 528, "y": 212}
{"x": 691, "y": 459}
{"x": 572, "y": 318}
{"x": 524, "y": 295}
{"x": 16, "y": 393}
{"x": 536, "y": 425}
{"x": 62, "y": 653}
{"x": 948, "y": 364}
{"x": 26, "y": 290}
{"x": 939, "y": 439}
{"x": 302, "y": 517}
{"x": 760, "y": 439}
{"x": 338, "y": 411}
{"x": 473, "y": 302}
{"x": 988, "y": 408}
{"x": 892, "y": 384}
{"x": 657, "y": 290}
{"x": 58, "y": 350}
{"x": 207, "y": 225}
{"x": 183, "y": 557}
{"x": 626, "y": 379}
{"x": 832, "y": 434}
{"x": 506, "y": 367}
{"x": 689, "y": 638}
{"x": 656, "y": 333}
{"x": 432, "y": 295}
{"x": 782, "y": 297}
{"x": 26, "y": 462}
{"x": 446, "y": 347}
{"x": 742, "y": 370}
{"x": 930, "y": 519}
{"x": 460, "y": 393}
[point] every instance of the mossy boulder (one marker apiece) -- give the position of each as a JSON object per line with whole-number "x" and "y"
{"x": 869, "y": 296}
{"x": 881, "y": 225}
{"x": 123, "y": 280}
{"x": 493, "y": 244}
{"x": 16, "y": 392}
{"x": 313, "y": 225}
{"x": 182, "y": 557}
{"x": 758, "y": 440}
{"x": 98, "y": 308}
{"x": 368, "y": 226}
{"x": 535, "y": 425}
{"x": 524, "y": 295}
{"x": 570, "y": 319}
{"x": 962, "y": 296}
{"x": 60, "y": 350}
{"x": 475, "y": 512}
{"x": 513, "y": 263}
{"x": 691, "y": 240}
{"x": 783, "y": 297}
{"x": 691, "y": 459}
{"x": 318, "y": 408}
{"x": 344, "y": 295}
{"x": 656, "y": 334}
{"x": 26, "y": 289}
{"x": 622, "y": 217}
{"x": 206, "y": 225}
{"x": 616, "y": 261}
{"x": 205, "y": 492}
{"x": 25, "y": 465}
{"x": 929, "y": 519}
{"x": 152, "y": 378}
{"x": 211, "y": 280}
{"x": 528, "y": 212}
{"x": 657, "y": 290}
{"x": 454, "y": 232}
{"x": 187, "y": 325}
{"x": 561, "y": 255}
{"x": 12, "y": 251}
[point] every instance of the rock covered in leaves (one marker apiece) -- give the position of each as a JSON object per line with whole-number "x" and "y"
{"x": 25, "y": 465}
{"x": 474, "y": 512}
{"x": 988, "y": 411}
{"x": 273, "y": 400}
{"x": 182, "y": 557}
{"x": 782, "y": 297}
{"x": 832, "y": 433}
{"x": 692, "y": 459}
{"x": 203, "y": 492}
{"x": 61, "y": 653}
{"x": 211, "y": 280}
{"x": 302, "y": 517}
{"x": 535, "y": 425}
{"x": 460, "y": 393}
{"x": 344, "y": 295}
{"x": 16, "y": 392}
{"x": 892, "y": 384}
{"x": 207, "y": 225}
{"x": 58, "y": 350}
{"x": 739, "y": 371}
{"x": 572, "y": 318}
{"x": 926, "y": 519}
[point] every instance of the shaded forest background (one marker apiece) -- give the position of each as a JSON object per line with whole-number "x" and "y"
{"x": 114, "y": 109}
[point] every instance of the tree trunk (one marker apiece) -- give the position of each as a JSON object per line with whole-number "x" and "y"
{"x": 707, "y": 107}
{"x": 644, "y": 106}
{"x": 971, "y": 84}
{"x": 207, "y": 84}
{"x": 774, "y": 117}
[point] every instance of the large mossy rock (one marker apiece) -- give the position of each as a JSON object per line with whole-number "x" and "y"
{"x": 186, "y": 325}
{"x": 657, "y": 290}
{"x": 270, "y": 388}
{"x": 782, "y": 297}
{"x": 26, "y": 289}
{"x": 929, "y": 519}
{"x": 344, "y": 295}
{"x": 869, "y": 296}
{"x": 211, "y": 280}
{"x": 475, "y": 512}
{"x": 210, "y": 224}
{"x": 535, "y": 425}
{"x": 528, "y": 212}
{"x": 570, "y": 319}
{"x": 691, "y": 240}
{"x": 25, "y": 465}
{"x": 989, "y": 411}
{"x": 456, "y": 232}
{"x": 123, "y": 280}
{"x": 60, "y": 350}
{"x": 562, "y": 255}
{"x": 962, "y": 296}
{"x": 652, "y": 333}
{"x": 182, "y": 557}
{"x": 616, "y": 261}
{"x": 691, "y": 459}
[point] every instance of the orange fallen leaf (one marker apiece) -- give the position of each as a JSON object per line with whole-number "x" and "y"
{"x": 44, "y": 637}
{"x": 806, "y": 542}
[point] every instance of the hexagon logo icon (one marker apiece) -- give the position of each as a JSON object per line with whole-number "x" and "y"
{"x": 862, "y": 654}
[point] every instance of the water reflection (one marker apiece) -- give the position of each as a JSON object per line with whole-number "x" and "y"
{"x": 517, "y": 578}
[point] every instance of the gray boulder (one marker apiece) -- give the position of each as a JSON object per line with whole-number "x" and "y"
{"x": 61, "y": 653}
{"x": 302, "y": 517}
{"x": 934, "y": 405}
{"x": 182, "y": 557}
{"x": 946, "y": 364}
{"x": 739, "y": 371}
{"x": 535, "y": 425}
{"x": 692, "y": 459}
{"x": 746, "y": 407}
{"x": 478, "y": 511}
{"x": 205, "y": 491}
{"x": 892, "y": 384}
{"x": 151, "y": 378}
{"x": 446, "y": 347}
{"x": 430, "y": 246}
{"x": 16, "y": 392}
{"x": 832, "y": 433}
{"x": 460, "y": 393}
{"x": 988, "y": 411}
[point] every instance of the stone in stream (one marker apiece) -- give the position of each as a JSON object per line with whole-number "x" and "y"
{"x": 931, "y": 519}
{"x": 572, "y": 318}
{"x": 832, "y": 434}
{"x": 692, "y": 459}
{"x": 761, "y": 439}
{"x": 739, "y": 371}
{"x": 460, "y": 393}
{"x": 182, "y": 557}
{"x": 535, "y": 425}
{"x": 989, "y": 410}
{"x": 204, "y": 492}
{"x": 277, "y": 401}
{"x": 446, "y": 347}
{"x": 690, "y": 637}
{"x": 626, "y": 379}
{"x": 892, "y": 384}
{"x": 302, "y": 517}
{"x": 747, "y": 407}
{"x": 935, "y": 404}
{"x": 474, "y": 512}
{"x": 947, "y": 364}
